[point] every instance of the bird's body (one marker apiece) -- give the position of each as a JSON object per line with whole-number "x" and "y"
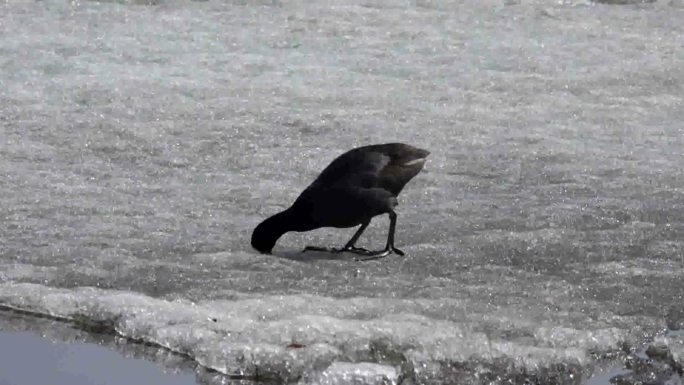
{"x": 355, "y": 187}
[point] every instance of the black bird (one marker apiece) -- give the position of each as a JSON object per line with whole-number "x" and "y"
{"x": 355, "y": 187}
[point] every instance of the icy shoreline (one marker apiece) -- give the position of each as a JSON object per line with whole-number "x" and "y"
{"x": 248, "y": 348}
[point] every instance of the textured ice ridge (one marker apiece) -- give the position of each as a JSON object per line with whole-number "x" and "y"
{"x": 238, "y": 338}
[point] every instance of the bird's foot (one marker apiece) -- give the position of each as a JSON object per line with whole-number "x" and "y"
{"x": 347, "y": 249}
{"x": 368, "y": 255}
{"x": 381, "y": 254}
{"x": 357, "y": 250}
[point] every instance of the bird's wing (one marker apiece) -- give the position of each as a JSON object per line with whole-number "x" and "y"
{"x": 353, "y": 168}
{"x": 388, "y": 166}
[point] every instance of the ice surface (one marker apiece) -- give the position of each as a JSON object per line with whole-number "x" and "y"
{"x": 141, "y": 141}
{"x": 672, "y": 346}
{"x": 363, "y": 372}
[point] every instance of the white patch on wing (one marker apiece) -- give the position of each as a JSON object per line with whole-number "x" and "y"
{"x": 380, "y": 163}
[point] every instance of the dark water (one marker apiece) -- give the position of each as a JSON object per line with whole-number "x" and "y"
{"x": 62, "y": 355}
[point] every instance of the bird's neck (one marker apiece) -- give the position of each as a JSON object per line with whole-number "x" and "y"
{"x": 291, "y": 219}
{"x": 279, "y": 224}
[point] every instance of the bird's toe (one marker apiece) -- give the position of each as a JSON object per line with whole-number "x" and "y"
{"x": 358, "y": 250}
{"x": 374, "y": 255}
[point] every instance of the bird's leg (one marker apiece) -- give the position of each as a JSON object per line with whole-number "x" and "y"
{"x": 349, "y": 247}
{"x": 390, "y": 236}
{"x": 389, "y": 248}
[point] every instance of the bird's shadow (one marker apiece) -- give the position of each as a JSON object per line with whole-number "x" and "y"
{"x": 313, "y": 255}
